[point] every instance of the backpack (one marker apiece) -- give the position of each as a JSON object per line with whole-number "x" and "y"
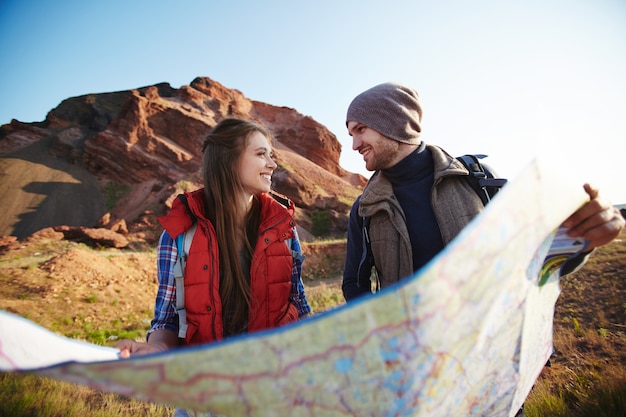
{"x": 481, "y": 180}
{"x": 183, "y": 243}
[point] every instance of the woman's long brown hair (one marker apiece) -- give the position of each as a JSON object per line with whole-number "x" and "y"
{"x": 236, "y": 230}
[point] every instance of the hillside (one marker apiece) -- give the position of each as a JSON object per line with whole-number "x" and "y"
{"x": 99, "y": 160}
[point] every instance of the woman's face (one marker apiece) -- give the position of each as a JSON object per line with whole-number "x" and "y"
{"x": 256, "y": 165}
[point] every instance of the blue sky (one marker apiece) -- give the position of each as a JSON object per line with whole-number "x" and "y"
{"x": 511, "y": 79}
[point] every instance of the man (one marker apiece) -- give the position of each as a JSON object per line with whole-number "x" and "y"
{"x": 418, "y": 198}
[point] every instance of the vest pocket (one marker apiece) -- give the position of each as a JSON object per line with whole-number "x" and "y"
{"x": 290, "y": 315}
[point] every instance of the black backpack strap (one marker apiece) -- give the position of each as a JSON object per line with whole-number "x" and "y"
{"x": 483, "y": 182}
{"x": 374, "y": 279}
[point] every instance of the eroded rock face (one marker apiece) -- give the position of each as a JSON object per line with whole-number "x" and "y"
{"x": 154, "y": 135}
{"x": 97, "y": 237}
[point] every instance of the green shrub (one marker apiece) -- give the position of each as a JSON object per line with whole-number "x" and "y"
{"x": 321, "y": 223}
{"x": 114, "y": 192}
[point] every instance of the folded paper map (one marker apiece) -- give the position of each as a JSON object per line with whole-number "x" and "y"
{"x": 467, "y": 335}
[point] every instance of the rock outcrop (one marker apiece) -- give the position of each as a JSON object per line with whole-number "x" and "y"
{"x": 149, "y": 141}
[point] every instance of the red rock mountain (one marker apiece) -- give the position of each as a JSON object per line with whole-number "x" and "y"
{"x": 144, "y": 146}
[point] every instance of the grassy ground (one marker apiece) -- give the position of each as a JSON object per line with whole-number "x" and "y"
{"x": 100, "y": 296}
{"x": 587, "y": 376}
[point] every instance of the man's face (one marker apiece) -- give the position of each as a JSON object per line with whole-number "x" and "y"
{"x": 378, "y": 151}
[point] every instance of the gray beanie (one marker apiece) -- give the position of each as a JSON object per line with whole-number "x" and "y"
{"x": 391, "y": 109}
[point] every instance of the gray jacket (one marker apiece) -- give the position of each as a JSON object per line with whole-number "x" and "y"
{"x": 454, "y": 203}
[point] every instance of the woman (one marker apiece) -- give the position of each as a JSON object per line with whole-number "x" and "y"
{"x": 240, "y": 274}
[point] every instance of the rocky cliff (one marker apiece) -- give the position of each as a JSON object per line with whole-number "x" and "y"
{"x": 146, "y": 144}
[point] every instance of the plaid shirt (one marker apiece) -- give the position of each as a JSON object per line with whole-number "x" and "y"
{"x": 165, "y": 316}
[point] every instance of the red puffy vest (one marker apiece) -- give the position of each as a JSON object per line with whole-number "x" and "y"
{"x": 270, "y": 272}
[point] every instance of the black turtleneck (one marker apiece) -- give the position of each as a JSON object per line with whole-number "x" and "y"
{"x": 412, "y": 180}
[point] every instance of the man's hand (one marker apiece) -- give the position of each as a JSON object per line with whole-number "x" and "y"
{"x": 596, "y": 221}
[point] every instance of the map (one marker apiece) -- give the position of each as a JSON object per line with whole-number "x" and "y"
{"x": 467, "y": 335}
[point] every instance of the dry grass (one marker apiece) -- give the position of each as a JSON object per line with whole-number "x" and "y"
{"x": 587, "y": 376}
{"x": 102, "y": 296}
{"x": 32, "y": 396}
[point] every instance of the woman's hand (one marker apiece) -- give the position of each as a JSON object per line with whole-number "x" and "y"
{"x": 158, "y": 341}
{"x": 130, "y": 348}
